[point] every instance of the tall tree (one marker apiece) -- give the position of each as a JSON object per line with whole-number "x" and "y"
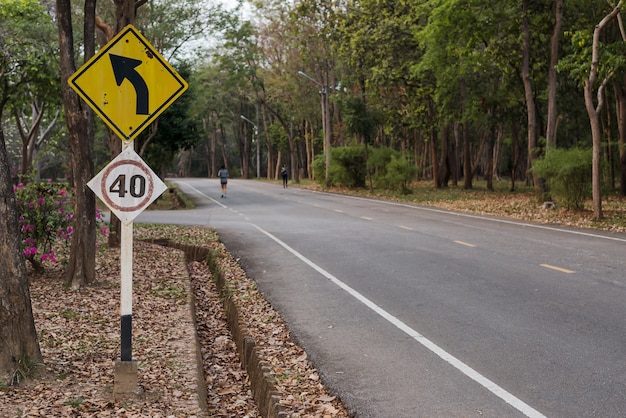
{"x": 81, "y": 269}
{"x": 552, "y": 76}
{"x": 531, "y": 108}
{"x": 593, "y": 110}
{"x": 20, "y": 348}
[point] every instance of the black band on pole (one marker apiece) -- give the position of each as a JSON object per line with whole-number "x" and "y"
{"x": 127, "y": 337}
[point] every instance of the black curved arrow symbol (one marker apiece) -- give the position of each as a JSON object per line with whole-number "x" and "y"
{"x": 124, "y": 68}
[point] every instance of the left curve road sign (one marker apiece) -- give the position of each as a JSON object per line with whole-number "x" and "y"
{"x": 128, "y": 83}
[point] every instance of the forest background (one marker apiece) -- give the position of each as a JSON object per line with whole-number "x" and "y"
{"x": 369, "y": 94}
{"x": 399, "y": 90}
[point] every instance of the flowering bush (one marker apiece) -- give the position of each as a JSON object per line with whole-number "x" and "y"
{"x": 46, "y": 215}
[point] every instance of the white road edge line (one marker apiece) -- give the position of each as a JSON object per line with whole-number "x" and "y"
{"x": 202, "y": 194}
{"x": 484, "y": 218}
{"x": 444, "y": 355}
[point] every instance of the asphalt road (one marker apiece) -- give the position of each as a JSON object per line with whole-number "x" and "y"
{"x": 416, "y": 312}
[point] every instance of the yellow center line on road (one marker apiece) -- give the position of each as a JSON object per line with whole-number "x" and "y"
{"x": 338, "y": 210}
{"x": 562, "y": 270}
{"x": 467, "y": 244}
{"x": 406, "y": 227}
{"x": 366, "y": 218}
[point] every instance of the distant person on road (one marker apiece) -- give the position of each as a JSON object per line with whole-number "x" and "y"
{"x": 223, "y": 175}
{"x": 284, "y": 173}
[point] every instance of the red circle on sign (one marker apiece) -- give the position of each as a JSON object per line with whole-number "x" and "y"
{"x": 105, "y": 194}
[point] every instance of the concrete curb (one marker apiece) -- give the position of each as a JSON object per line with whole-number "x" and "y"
{"x": 263, "y": 389}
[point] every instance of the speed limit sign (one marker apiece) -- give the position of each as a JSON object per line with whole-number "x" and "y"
{"x": 127, "y": 185}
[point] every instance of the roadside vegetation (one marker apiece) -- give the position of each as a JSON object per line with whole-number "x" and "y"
{"x": 521, "y": 204}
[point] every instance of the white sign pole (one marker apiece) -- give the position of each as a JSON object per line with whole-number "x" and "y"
{"x": 126, "y": 299}
{"x": 126, "y": 378}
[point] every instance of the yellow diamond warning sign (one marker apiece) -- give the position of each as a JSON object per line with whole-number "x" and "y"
{"x": 128, "y": 83}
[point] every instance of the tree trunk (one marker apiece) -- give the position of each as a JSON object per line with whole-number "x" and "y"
{"x": 29, "y": 135}
{"x": 433, "y": 157}
{"x": 620, "y": 98}
{"x": 531, "y": 110}
{"x": 490, "y": 158}
{"x": 455, "y": 155}
{"x": 308, "y": 144}
{"x": 554, "y": 57}
{"x": 19, "y": 350}
{"x": 516, "y": 152}
{"x": 467, "y": 158}
{"x": 444, "y": 162}
{"x": 295, "y": 175}
{"x": 467, "y": 149}
{"x": 124, "y": 15}
{"x": 596, "y": 136}
{"x": 114, "y": 239}
{"x": 125, "y": 11}
{"x": 81, "y": 268}
{"x": 592, "y": 112}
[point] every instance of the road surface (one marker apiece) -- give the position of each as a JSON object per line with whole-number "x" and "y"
{"x": 418, "y": 312}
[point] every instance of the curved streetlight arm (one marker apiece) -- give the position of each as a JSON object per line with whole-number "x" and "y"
{"x": 250, "y": 122}
{"x": 308, "y": 77}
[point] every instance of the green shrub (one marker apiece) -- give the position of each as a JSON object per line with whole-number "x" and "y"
{"x": 319, "y": 168}
{"x": 378, "y": 161}
{"x": 400, "y": 172}
{"x": 347, "y": 167}
{"x": 568, "y": 173}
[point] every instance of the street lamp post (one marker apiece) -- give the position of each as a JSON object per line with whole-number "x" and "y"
{"x": 258, "y": 147}
{"x": 325, "y": 121}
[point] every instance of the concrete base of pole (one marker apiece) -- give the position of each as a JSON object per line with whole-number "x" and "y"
{"x": 125, "y": 378}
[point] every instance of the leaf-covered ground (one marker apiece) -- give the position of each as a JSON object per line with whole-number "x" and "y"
{"x": 521, "y": 204}
{"x": 79, "y": 337}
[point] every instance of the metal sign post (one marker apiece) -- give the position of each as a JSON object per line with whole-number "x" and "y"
{"x": 127, "y": 186}
{"x": 128, "y": 84}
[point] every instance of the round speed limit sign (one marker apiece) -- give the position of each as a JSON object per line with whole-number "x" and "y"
{"x": 127, "y": 185}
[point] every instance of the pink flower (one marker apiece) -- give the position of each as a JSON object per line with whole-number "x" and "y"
{"x": 70, "y": 229}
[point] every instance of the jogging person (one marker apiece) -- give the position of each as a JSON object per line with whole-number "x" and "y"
{"x": 223, "y": 175}
{"x": 284, "y": 173}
